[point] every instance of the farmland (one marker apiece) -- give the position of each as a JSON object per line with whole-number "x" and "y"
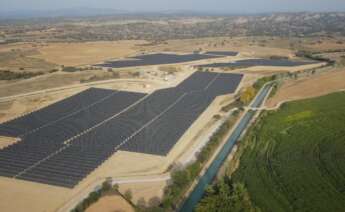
{"x": 294, "y": 159}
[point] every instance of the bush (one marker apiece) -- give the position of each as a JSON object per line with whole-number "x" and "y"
{"x": 128, "y": 195}
{"x": 247, "y": 96}
{"x": 70, "y": 69}
{"x": 53, "y": 70}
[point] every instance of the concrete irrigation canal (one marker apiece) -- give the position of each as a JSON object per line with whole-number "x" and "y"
{"x": 213, "y": 169}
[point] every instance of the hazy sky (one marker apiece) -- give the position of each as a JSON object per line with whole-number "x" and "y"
{"x": 231, "y": 6}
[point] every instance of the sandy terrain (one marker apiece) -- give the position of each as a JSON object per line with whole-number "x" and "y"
{"x": 309, "y": 87}
{"x": 75, "y": 54}
{"x": 113, "y": 203}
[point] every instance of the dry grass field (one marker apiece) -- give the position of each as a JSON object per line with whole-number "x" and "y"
{"x": 239, "y": 44}
{"x": 314, "y": 86}
{"x": 111, "y": 203}
{"x": 76, "y": 54}
{"x": 43, "y": 82}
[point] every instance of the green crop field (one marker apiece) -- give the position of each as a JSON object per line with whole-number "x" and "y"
{"x": 295, "y": 158}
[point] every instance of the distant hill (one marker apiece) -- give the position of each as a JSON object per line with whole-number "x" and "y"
{"x": 107, "y": 24}
{"x": 76, "y": 12}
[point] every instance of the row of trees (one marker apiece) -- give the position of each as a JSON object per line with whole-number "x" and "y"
{"x": 95, "y": 196}
{"x": 226, "y": 196}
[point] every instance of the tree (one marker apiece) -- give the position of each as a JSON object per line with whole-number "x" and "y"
{"x": 106, "y": 186}
{"x": 247, "y": 95}
{"x": 226, "y": 196}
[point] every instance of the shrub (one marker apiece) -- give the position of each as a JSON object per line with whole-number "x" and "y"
{"x": 128, "y": 195}
{"x": 53, "y": 70}
{"x": 70, "y": 69}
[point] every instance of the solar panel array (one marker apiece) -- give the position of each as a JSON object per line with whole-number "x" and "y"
{"x": 158, "y": 59}
{"x": 43, "y": 137}
{"x": 259, "y": 62}
{"x": 64, "y": 151}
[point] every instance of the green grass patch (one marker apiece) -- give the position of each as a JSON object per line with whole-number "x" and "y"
{"x": 299, "y": 116}
{"x": 295, "y": 157}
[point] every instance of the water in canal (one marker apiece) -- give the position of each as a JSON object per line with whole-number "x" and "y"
{"x": 212, "y": 171}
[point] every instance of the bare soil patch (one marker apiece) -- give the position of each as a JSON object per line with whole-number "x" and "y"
{"x": 314, "y": 86}
{"x": 76, "y": 54}
{"x": 6, "y": 141}
{"x": 113, "y": 203}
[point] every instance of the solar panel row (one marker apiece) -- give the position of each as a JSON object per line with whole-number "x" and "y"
{"x": 50, "y": 135}
{"x": 153, "y": 126}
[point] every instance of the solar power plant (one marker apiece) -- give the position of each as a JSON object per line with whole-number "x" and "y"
{"x": 66, "y": 151}
{"x": 259, "y": 62}
{"x": 158, "y": 59}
